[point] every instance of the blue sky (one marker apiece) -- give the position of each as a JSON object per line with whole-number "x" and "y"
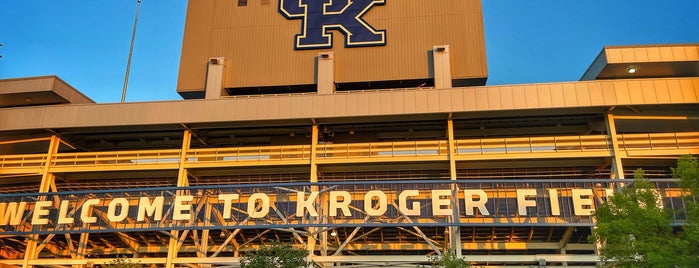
{"x": 86, "y": 42}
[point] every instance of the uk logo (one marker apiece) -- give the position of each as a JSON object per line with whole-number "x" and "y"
{"x": 319, "y": 17}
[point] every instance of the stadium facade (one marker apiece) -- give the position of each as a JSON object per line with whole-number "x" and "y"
{"x": 359, "y": 130}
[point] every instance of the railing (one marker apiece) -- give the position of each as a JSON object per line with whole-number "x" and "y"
{"x": 659, "y": 141}
{"x": 116, "y": 158}
{"x": 552, "y": 144}
{"x": 22, "y": 160}
{"x": 246, "y": 154}
{"x": 382, "y": 149}
{"x": 649, "y": 143}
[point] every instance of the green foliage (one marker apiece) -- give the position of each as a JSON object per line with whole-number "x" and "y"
{"x": 448, "y": 260}
{"x": 121, "y": 262}
{"x": 633, "y": 232}
{"x": 276, "y": 255}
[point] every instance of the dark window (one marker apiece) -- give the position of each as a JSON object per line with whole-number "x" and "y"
{"x": 242, "y": 3}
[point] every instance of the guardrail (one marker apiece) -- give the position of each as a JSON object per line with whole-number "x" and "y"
{"x": 245, "y": 154}
{"x": 552, "y": 144}
{"x": 358, "y": 152}
{"x": 653, "y": 141}
{"x": 383, "y": 149}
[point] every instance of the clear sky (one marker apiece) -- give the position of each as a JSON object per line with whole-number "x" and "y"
{"x": 86, "y": 42}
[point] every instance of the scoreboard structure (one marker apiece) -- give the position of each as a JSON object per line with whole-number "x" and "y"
{"x": 358, "y": 130}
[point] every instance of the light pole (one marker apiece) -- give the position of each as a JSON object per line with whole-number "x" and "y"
{"x": 128, "y": 64}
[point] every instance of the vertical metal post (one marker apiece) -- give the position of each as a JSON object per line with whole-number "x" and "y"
{"x": 455, "y": 231}
{"x": 47, "y": 180}
{"x": 314, "y": 178}
{"x": 128, "y": 63}
{"x": 182, "y": 181}
{"x": 617, "y": 167}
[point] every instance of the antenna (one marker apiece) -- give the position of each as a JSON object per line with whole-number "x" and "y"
{"x": 128, "y": 64}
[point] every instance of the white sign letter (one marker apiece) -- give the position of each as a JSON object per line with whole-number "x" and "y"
{"x": 403, "y": 206}
{"x": 145, "y": 207}
{"x": 40, "y": 210}
{"x": 227, "y": 203}
{"x": 582, "y": 207}
{"x": 86, "y": 210}
{"x": 382, "y": 202}
{"x": 12, "y": 213}
{"x": 344, "y": 204}
{"x": 555, "y": 206}
{"x": 252, "y": 205}
{"x": 63, "y": 213}
{"x": 522, "y": 202}
{"x": 111, "y": 211}
{"x": 180, "y": 206}
{"x": 471, "y": 204}
{"x": 438, "y": 203}
{"x": 303, "y": 204}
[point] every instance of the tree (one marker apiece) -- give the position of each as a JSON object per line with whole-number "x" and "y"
{"x": 448, "y": 260}
{"x": 276, "y": 255}
{"x": 633, "y": 232}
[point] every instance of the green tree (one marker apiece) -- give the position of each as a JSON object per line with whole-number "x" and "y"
{"x": 633, "y": 232}
{"x": 448, "y": 260}
{"x": 276, "y": 255}
{"x": 122, "y": 262}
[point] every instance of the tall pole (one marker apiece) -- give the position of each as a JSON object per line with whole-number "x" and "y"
{"x": 128, "y": 64}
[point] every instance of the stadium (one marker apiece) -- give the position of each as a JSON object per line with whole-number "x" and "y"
{"x": 353, "y": 129}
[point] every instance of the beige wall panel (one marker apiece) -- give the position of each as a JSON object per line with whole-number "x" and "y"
{"x": 258, "y": 43}
{"x": 648, "y": 91}
{"x": 596, "y": 94}
{"x": 613, "y": 55}
{"x": 666, "y": 54}
{"x": 696, "y": 88}
{"x": 363, "y": 104}
{"x": 409, "y": 102}
{"x": 481, "y": 100}
{"x": 582, "y": 93}
{"x": 421, "y": 100}
{"x": 635, "y": 92}
{"x": 692, "y": 52}
{"x": 689, "y": 91}
{"x": 654, "y": 54}
{"x": 469, "y": 97}
{"x": 661, "y": 92}
{"x": 679, "y": 54}
{"x": 621, "y": 91}
{"x": 433, "y": 102}
{"x": 457, "y": 99}
{"x": 445, "y": 100}
{"x": 609, "y": 93}
{"x": 672, "y": 86}
{"x": 557, "y": 99}
{"x": 640, "y": 54}
{"x": 569, "y": 95}
{"x": 519, "y": 97}
{"x": 374, "y": 104}
{"x": 397, "y": 103}
{"x": 493, "y": 97}
{"x": 627, "y": 54}
{"x": 530, "y": 92}
{"x": 506, "y": 98}
{"x": 545, "y": 96}
{"x": 386, "y": 103}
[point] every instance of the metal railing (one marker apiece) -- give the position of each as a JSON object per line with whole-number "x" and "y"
{"x": 530, "y": 145}
{"x": 116, "y": 158}
{"x": 383, "y": 149}
{"x": 659, "y": 141}
{"x": 247, "y": 154}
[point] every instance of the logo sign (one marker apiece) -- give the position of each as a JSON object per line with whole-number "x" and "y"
{"x": 320, "y": 16}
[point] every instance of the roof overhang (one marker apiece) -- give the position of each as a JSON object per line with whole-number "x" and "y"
{"x": 653, "y": 61}
{"x": 41, "y": 90}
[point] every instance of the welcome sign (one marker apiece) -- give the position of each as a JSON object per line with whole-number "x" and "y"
{"x": 296, "y": 205}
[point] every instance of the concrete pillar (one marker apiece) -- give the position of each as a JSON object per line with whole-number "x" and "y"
{"x": 214, "y": 78}
{"x": 441, "y": 66}
{"x": 326, "y": 73}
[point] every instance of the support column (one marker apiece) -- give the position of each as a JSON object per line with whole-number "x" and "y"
{"x": 216, "y": 68}
{"x": 617, "y": 167}
{"x": 325, "y": 78}
{"x": 311, "y": 244}
{"x": 182, "y": 181}
{"x": 454, "y": 231}
{"x": 441, "y": 66}
{"x": 47, "y": 179}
